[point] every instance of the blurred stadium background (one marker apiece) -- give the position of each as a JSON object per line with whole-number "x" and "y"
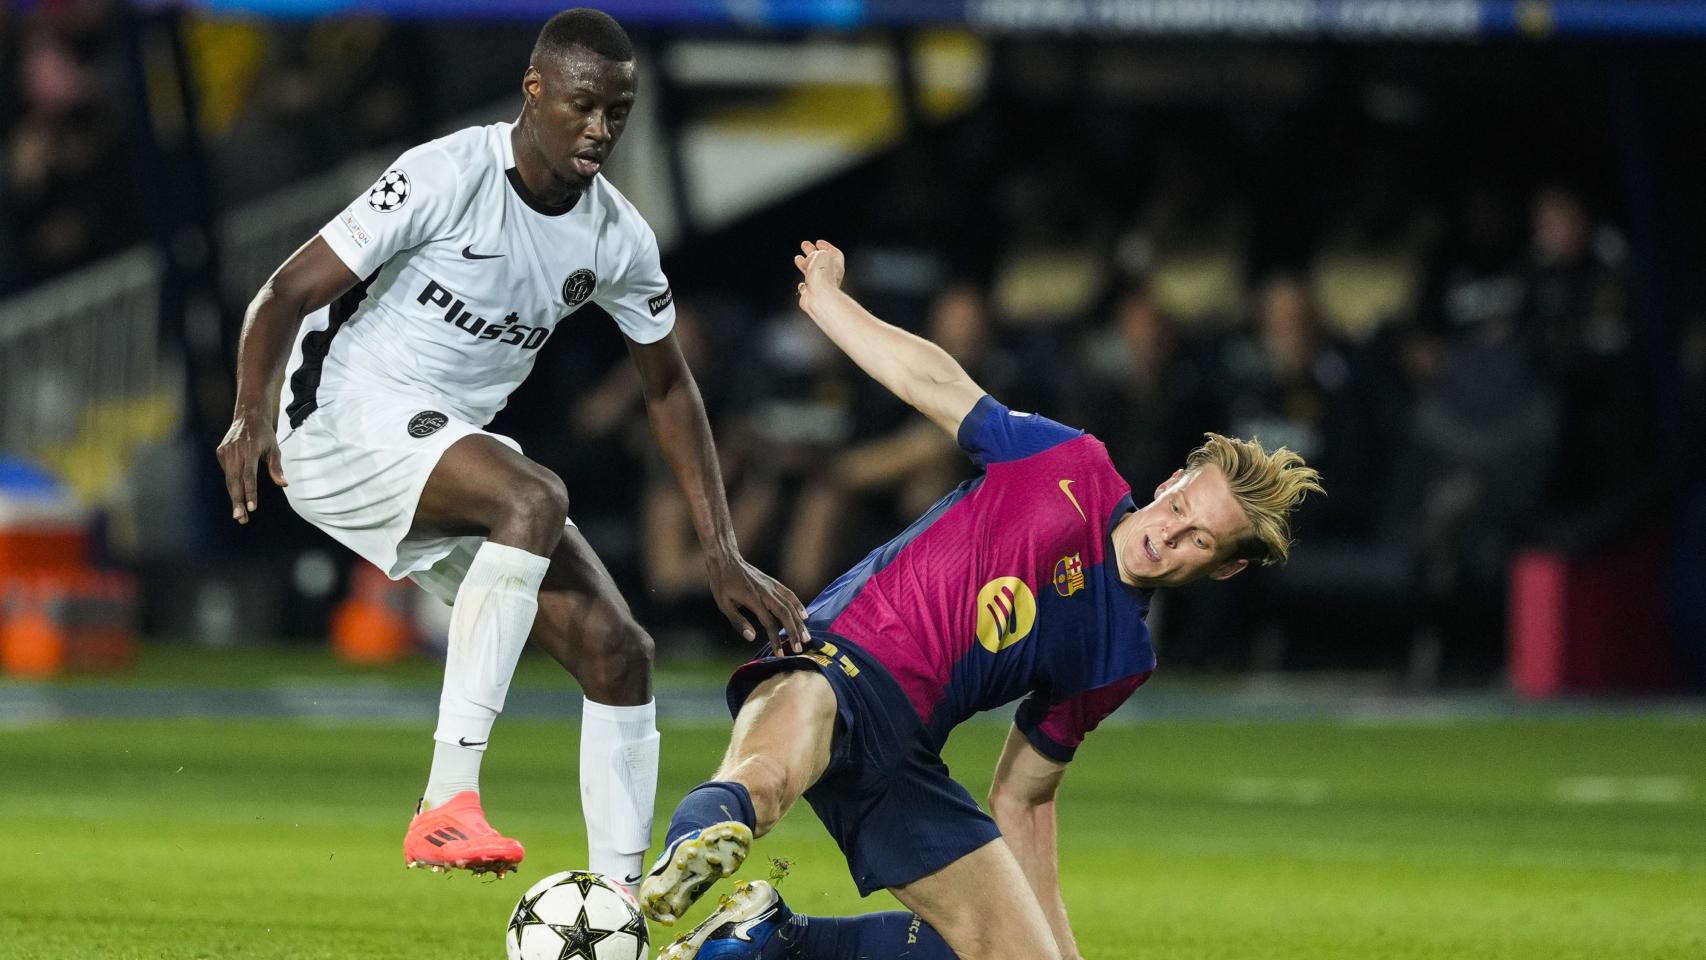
{"x": 1450, "y": 250}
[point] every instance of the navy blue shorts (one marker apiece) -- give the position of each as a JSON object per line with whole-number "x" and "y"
{"x": 886, "y": 797}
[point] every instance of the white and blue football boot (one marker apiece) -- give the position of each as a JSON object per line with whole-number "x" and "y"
{"x": 741, "y": 928}
{"x": 688, "y": 867}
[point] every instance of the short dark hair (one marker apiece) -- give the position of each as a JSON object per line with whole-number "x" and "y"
{"x": 583, "y": 27}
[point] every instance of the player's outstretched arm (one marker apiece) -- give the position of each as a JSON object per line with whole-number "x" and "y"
{"x": 1021, "y": 799}
{"x": 683, "y": 433}
{"x": 911, "y": 367}
{"x": 309, "y": 280}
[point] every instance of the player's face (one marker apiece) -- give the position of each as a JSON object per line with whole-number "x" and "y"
{"x": 1190, "y": 531}
{"x": 579, "y": 104}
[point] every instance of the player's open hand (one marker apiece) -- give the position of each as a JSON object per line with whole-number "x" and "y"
{"x": 822, "y": 265}
{"x": 743, "y": 591}
{"x": 250, "y": 440}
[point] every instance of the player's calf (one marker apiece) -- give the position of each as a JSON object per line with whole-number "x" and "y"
{"x": 781, "y": 743}
{"x": 1005, "y": 921}
{"x": 616, "y": 659}
{"x": 585, "y": 625}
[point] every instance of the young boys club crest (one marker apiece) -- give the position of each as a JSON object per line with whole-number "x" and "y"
{"x": 578, "y": 287}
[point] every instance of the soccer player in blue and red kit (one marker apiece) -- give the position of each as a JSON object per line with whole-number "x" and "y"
{"x": 1030, "y": 581}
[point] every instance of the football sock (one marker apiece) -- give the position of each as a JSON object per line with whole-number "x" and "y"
{"x": 896, "y": 934}
{"x": 715, "y": 802}
{"x": 619, "y": 779}
{"x": 454, "y": 769}
{"x": 489, "y": 624}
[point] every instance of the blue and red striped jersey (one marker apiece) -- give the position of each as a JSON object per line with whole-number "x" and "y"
{"x": 1007, "y": 588}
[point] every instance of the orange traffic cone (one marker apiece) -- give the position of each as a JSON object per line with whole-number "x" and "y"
{"x": 371, "y": 626}
{"x": 31, "y": 643}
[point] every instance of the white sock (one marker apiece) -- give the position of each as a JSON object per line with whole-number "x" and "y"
{"x": 489, "y": 624}
{"x": 619, "y": 778}
{"x": 454, "y": 769}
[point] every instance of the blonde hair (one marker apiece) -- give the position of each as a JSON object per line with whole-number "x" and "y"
{"x": 1268, "y": 485}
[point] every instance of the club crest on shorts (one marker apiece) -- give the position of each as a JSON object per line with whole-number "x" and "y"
{"x": 391, "y": 192}
{"x": 426, "y": 423}
{"x": 579, "y": 286}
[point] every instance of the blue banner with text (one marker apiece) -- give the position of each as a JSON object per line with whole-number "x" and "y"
{"x": 1302, "y": 19}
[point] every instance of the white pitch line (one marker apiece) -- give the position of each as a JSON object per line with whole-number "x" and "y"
{"x": 1595, "y": 791}
{"x": 1305, "y": 793}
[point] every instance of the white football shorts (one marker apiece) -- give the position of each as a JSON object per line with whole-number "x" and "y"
{"x": 356, "y": 468}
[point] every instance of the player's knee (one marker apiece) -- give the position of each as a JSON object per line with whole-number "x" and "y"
{"x": 539, "y": 506}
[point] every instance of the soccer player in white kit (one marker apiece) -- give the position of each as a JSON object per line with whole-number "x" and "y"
{"x": 427, "y": 301}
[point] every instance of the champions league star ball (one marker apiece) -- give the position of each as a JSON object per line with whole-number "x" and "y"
{"x": 576, "y": 915}
{"x": 391, "y": 192}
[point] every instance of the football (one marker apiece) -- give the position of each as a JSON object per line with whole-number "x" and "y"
{"x": 576, "y": 915}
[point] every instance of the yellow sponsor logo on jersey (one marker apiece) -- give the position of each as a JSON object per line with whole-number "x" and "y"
{"x": 1069, "y": 574}
{"x": 1006, "y": 612}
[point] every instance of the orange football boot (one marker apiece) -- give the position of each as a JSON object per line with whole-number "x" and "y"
{"x": 456, "y": 836}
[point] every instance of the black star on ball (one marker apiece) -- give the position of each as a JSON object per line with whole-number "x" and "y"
{"x": 584, "y": 880}
{"x": 579, "y": 939}
{"x": 525, "y": 915}
{"x": 636, "y": 927}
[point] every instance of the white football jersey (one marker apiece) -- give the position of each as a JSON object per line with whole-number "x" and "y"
{"x": 464, "y": 276}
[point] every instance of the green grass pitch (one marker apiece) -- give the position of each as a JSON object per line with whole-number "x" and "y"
{"x": 1545, "y": 839}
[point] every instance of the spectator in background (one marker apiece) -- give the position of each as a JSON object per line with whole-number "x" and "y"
{"x": 1289, "y": 383}
{"x": 1485, "y": 428}
{"x": 1476, "y": 287}
{"x": 1145, "y": 391}
{"x": 67, "y": 183}
{"x": 1576, "y": 319}
{"x": 1575, "y": 305}
{"x": 1293, "y": 385}
{"x": 11, "y": 259}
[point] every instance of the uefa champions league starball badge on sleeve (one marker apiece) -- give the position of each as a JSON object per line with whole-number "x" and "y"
{"x": 391, "y": 192}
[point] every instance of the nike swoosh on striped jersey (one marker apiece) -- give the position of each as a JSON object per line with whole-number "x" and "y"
{"x": 1064, "y": 488}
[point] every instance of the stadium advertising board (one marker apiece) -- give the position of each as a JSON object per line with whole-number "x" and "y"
{"x": 1391, "y": 19}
